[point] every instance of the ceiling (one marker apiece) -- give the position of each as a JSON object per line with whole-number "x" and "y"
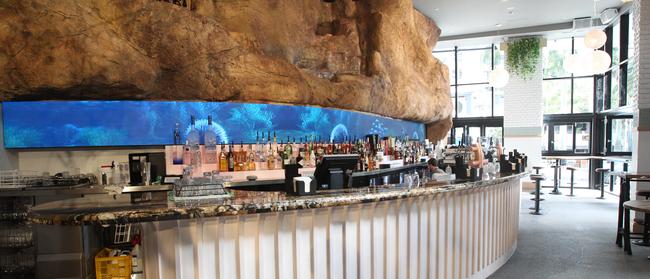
{"x": 463, "y": 17}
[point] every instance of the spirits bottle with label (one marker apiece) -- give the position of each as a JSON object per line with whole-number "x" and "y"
{"x": 210, "y": 141}
{"x": 223, "y": 159}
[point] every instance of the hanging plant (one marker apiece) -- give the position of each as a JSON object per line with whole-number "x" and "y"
{"x": 523, "y": 56}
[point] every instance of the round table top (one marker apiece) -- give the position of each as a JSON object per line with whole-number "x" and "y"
{"x": 638, "y": 205}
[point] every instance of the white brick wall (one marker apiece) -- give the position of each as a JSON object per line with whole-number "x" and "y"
{"x": 642, "y": 46}
{"x": 523, "y": 101}
{"x": 523, "y": 115}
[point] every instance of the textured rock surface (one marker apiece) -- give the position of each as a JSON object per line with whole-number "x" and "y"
{"x": 372, "y": 56}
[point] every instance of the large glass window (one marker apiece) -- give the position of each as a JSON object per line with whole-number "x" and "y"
{"x": 474, "y": 65}
{"x": 583, "y": 95}
{"x": 616, "y": 91}
{"x": 475, "y": 102}
{"x": 557, "y": 96}
{"x": 563, "y": 92}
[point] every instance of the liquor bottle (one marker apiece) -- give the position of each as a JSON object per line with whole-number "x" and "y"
{"x": 241, "y": 158}
{"x": 177, "y": 134}
{"x": 257, "y": 146}
{"x": 193, "y": 138}
{"x": 288, "y": 152}
{"x": 270, "y": 159}
{"x": 306, "y": 153}
{"x": 251, "y": 159}
{"x": 210, "y": 141}
{"x": 223, "y": 159}
{"x": 231, "y": 158}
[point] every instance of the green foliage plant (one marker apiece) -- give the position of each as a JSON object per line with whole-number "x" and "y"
{"x": 523, "y": 56}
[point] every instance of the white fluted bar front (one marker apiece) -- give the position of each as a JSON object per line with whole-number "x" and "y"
{"x": 467, "y": 233}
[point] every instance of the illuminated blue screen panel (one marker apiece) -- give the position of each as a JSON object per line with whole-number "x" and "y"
{"x": 133, "y": 123}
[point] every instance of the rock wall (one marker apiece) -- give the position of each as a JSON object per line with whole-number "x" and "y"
{"x": 366, "y": 55}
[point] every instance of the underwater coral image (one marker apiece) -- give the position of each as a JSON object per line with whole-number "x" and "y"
{"x": 137, "y": 123}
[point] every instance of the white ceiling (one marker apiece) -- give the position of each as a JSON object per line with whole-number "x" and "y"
{"x": 461, "y": 17}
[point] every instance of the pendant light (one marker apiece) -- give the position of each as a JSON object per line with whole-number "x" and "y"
{"x": 595, "y": 39}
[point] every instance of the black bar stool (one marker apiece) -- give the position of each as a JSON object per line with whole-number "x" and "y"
{"x": 538, "y": 186}
{"x": 537, "y": 169}
{"x": 601, "y": 172}
{"x": 639, "y": 206}
{"x": 572, "y": 170}
{"x": 556, "y": 179}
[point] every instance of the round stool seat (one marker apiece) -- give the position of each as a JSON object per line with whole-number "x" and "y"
{"x": 571, "y": 168}
{"x": 638, "y": 206}
{"x": 537, "y": 167}
{"x": 602, "y": 170}
{"x": 537, "y": 177}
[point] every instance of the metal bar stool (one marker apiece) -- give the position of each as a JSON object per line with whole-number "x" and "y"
{"x": 601, "y": 172}
{"x": 556, "y": 179}
{"x": 572, "y": 170}
{"x": 538, "y": 186}
{"x": 537, "y": 169}
{"x": 639, "y": 206}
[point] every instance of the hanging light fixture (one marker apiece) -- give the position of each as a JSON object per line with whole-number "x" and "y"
{"x": 593, "y": 61}
{"x": 601, "y": 61}
{"x": 595, "y": 39}
{"x": 499, "y": 77}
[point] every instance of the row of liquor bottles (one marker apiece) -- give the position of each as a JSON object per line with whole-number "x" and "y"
{"x": 268, "y": 153}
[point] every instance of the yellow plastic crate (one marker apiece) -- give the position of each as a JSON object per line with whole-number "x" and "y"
{"x": 112, "y": 267}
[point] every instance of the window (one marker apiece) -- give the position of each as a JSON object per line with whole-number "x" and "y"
{"x": 616, "y": 92}
{"x": 621, "y": 138}
{"x": 478, "y": 108}
{"x": 474, "y": 101}
{"x": 583, "y": 95}
{"x": 557, "y": 96}
{"x": 564, "y": 93}
{"x": 630, "y": 64}
{"x": 474, "y": 65}
{"x": 567, "y": 136}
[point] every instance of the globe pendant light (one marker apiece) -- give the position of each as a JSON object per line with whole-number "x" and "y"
{"x": 499, "y": 77}
{"x": 601, "y": 61}
{"x": 595, "y": 39}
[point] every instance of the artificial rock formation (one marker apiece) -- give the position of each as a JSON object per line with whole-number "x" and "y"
{"x": 367, "y": 55}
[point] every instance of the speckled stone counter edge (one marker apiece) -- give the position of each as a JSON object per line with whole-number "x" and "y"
{"x": 215, "y": 210}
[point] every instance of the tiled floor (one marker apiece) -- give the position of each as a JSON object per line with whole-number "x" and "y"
{"x": 573, "y": 239}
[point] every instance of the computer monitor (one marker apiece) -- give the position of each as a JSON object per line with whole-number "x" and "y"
{"x": 333, "y": 170}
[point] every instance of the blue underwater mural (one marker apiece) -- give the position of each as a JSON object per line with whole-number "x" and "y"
{"x": 132, "y": 123}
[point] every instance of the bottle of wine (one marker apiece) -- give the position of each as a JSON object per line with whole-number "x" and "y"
{"x": 231, "y": 158}
{"x": 210, "y": 142}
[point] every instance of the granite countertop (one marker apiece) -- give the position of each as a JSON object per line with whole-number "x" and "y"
{"x": 243, "y": 202}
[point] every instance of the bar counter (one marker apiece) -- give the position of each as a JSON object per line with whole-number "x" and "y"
{"x": 242, "y": 202}
{"x": 439, "y": 230}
